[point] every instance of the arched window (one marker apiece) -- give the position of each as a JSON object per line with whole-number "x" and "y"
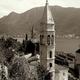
{"x": 63, "y": 74}
{"x": 41, "y": 39}
{"x": 48, "y": 39}
{"x": 52, "y": 39}
{"x": 50, "y": 64}
{"x": 50, "y": 55}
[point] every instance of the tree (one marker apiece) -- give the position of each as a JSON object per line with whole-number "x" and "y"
{"x": 9, "y": 48}
{"x": 20, "y": 69}
{"x": 4, "y": 73}
{"x": 11, "y": 43}
{"x": 2, "y": 57}
{"x": 28, "y": 47}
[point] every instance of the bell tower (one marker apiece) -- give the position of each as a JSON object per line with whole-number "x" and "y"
{"x": 47, "y": 40}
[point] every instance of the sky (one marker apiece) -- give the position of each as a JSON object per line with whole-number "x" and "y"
{"x": 20, "y": 6}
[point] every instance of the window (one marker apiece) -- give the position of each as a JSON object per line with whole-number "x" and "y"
{"x": 41, "y": 39}
{"x": 48, "y": 39}
{"x": 50, "y": 55}
{"x": 63, "y": 74}
{"x": 52, "y": 39}
{"x": 50, "y": 64}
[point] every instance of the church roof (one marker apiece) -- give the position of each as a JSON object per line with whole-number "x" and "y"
{"x": 47, "y": 17}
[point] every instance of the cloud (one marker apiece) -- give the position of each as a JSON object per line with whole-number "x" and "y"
{"x": 7, "y": 6}
{"x": 19, "y": 6}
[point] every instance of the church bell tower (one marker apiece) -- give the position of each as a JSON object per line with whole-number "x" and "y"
{"x": 47, "y": 40}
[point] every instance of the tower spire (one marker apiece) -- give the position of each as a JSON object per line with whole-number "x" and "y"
{"x": 47, "y": 15}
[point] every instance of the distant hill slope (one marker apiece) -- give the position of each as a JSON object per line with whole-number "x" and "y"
{"x": 67, "y": 21}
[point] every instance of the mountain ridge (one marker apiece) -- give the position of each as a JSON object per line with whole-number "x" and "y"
{"x": 66, "y": 21}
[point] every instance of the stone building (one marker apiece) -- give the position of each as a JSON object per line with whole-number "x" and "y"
{"x": 61, "y": 72}
{"x": 47, "y": 41}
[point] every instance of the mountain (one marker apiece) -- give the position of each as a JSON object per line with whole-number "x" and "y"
{"x": 67, "y": 21}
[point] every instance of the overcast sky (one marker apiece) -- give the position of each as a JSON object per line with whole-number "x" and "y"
{"x": 19, "y": 6}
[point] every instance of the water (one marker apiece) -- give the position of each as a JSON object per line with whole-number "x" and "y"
{"x": 66, "y": 45}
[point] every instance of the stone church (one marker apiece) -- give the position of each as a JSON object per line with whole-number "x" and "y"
{"x": 48, "y": 45}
